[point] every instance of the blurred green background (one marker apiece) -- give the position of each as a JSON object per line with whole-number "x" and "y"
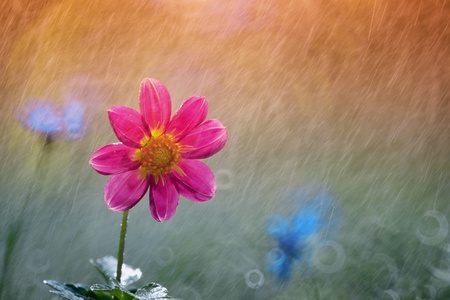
{"x": 349, "y": 95}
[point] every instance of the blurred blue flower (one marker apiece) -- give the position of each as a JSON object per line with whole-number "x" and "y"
{"x": 40, "y": 116}
{"x": 279, "y": 264}
{"x": 291, "y": 236}
{"x": 294, "y": 235}
{"x": 45, "y": 118}
{"x": 74, "y": 119}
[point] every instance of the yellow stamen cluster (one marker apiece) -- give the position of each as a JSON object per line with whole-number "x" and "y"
{"x": 158, "y": 156}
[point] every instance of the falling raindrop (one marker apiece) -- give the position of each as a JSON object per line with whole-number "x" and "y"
{"x": 393, "y": 294}
{"x": 224, "y": 179}
{"x": 164, "y": 256}
{"x": 328, "y": 261}
{"x": 441, "y": 232}
{"x": 254, "y": 279}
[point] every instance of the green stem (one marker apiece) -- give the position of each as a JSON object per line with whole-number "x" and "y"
{"x": 123, "y": 233}
{"x": 17, "y": 226}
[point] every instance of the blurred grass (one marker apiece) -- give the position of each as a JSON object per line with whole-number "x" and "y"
{"x": 353, "y": 95}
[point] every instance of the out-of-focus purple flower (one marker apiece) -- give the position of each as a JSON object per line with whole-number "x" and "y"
{"x": 41, "y": 116}
{"x": 294, "y": 235}
{"x": 74, "y": 120}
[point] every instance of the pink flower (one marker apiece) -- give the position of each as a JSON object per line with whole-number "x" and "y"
{"x": 159, "y": 153}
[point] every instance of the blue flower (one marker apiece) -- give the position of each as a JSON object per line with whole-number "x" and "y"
{"x": 74, "y": 121}
{"x": 45, "y": 118}
{"x": 40, "y": 116}
{"x": 279, "y": 264}
{"x": 295, "y": 234}
{"x": 291, "y": 236}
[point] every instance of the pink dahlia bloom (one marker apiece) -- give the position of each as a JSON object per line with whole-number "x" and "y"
{"x": 159, "y": 153}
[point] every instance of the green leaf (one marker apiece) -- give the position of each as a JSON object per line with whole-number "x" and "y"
{"x": 107, "y": 267}
{"x": 152, "y": 291}
{"x": 115, "y": 289}
{"x": 71, "y": 291}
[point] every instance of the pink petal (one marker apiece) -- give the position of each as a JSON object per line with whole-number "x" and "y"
{"x": 197, "y": 183}
{"x": 164, "y": 198}
{"x": 190, "y": 194}
{"x": 128, "y": 125}
{"x": 114, "y": 159}
{"x": 191, "y": 113}
{"x": 123, "y": 191}
{"x": 155, "y": 104}
{"x": 205, "y": 140}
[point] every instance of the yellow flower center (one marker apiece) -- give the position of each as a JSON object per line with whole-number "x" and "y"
{"x": 158, "y": 156}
